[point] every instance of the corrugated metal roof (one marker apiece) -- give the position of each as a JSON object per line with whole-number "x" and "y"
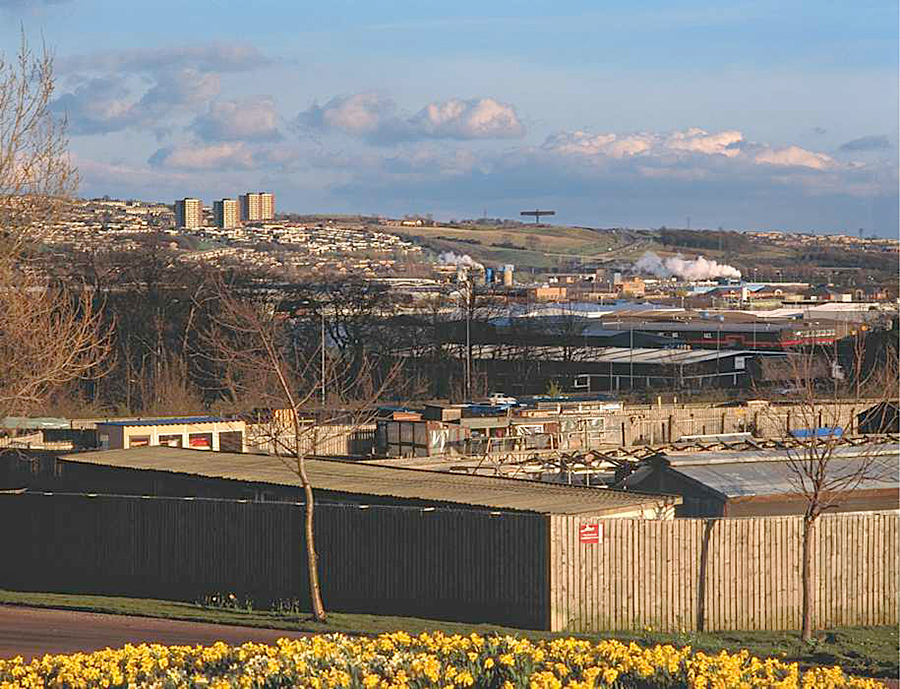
{"x": 730, "y": 457}
{"x": 30, "y": 422}
{"x": 708, "y": 325}
{"x": 368, "y": 479}
{"x": 647, "y": 355}
{"x": 184, "y": 420}
{"x": 747, "y": 477}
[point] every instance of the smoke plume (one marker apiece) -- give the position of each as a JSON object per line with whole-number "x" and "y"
{"x": 696, "y": 269}
{"x": 452, "y": 259}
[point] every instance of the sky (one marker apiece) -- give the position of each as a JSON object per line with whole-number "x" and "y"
{"x": 742, "y": 115}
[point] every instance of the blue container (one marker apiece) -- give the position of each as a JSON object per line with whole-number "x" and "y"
{"x": 824, "y": 432}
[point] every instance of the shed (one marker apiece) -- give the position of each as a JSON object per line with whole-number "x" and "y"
{"x": 884, "y": 417}
{"x": 761, "y": 483}
{"x": 183, "y": 472}
{"x": 198, "y": 432}
{"x": 162, "y": 522}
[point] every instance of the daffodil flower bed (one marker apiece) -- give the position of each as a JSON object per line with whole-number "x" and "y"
{"x": 429, "y": 660}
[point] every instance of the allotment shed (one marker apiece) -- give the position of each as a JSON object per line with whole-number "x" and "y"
{"x": 165, "y": 471}
{"x": 196, "y": 432}
{"x": 762, "y": 483}
{"x": 389, "y": 540}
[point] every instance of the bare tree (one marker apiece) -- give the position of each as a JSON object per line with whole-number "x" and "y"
{"x": 816, "y": 471}
{"x": 49, "y": 336}
{"x": 286, "y": 382}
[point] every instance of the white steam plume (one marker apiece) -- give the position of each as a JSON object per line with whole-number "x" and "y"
{"x": 452, "y": 259}
{"x": 696, "y": 269}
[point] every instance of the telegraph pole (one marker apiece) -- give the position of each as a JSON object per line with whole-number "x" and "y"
{"x": 468, "y": 337}
{"x": 631, "y": 355}
{"x": 323, "y": 358}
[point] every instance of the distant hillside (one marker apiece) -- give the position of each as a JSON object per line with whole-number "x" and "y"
{"x": 548, "y": 247}
{"x": 530, "y": 246}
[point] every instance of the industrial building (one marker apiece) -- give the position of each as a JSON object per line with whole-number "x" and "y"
{"x": 526, "y": 369}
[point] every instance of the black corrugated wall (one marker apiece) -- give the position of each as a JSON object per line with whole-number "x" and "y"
{"x": 441, "y": 564}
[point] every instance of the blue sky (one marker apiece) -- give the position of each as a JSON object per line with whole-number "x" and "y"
{"x": 752, "y": 115}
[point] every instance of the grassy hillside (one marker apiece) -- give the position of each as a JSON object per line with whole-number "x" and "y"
{"x": 537, "y": 246}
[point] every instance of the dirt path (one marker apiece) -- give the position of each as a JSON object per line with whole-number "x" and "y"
{"x": 31, "y": 632}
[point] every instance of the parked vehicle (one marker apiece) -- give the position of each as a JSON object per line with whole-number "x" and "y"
{"x": 501, "y": 398}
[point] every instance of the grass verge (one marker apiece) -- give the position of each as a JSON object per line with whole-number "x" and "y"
{"x": 865, "y": 651}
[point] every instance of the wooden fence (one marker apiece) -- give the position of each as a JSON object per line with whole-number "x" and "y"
{"x": 333, "y": 440}
{"x": 524, "y": 570}
{"x": 718, "y": 574}
{"x": 435, "y": 563}
{"x": 639, "y": 424}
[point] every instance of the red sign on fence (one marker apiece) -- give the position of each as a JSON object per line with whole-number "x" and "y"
{"x": 590, "y": 533}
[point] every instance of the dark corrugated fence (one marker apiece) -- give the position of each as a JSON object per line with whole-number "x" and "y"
{"x": 442, "y": 564}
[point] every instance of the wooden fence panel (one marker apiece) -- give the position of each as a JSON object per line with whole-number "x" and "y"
{"x": 720, "y": 574}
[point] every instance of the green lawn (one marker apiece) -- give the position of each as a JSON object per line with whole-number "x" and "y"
{"x": 867, "y": 651}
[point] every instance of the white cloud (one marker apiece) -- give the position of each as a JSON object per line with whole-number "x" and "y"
{"x": 592, "y": 145}
{"x": 107, "y": 104}
{"x": 185, "y": 87}
{"x": 251, "y": 119}
{"x": 375, "y": 118}
{"x": 794, "y": 156}
{"x": 358, "y": 114}
{"x": 113, "y": 91}
{"x": 477, "y": 118}
{"x": 688, "y": 154}
{"x": 697, "y": 140}
{"x": 617, "y": 146}
{"x": 225, "y": 155}
{"x": 222, "y": 156}
{"x": 716, "y": 177}
{"x": 97, "y": 106}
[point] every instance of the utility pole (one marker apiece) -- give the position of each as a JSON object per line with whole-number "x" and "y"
{"x": 468, "y": 339}
{"x": 323, "y": 359}
{"x": 465, "y": 296}
{"x": 631, "y": 355}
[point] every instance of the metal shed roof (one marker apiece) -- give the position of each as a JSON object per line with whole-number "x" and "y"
{"x": 770, "y": 474}
{"x": 368, "y": 479}
{"x": 178, "y": 421}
